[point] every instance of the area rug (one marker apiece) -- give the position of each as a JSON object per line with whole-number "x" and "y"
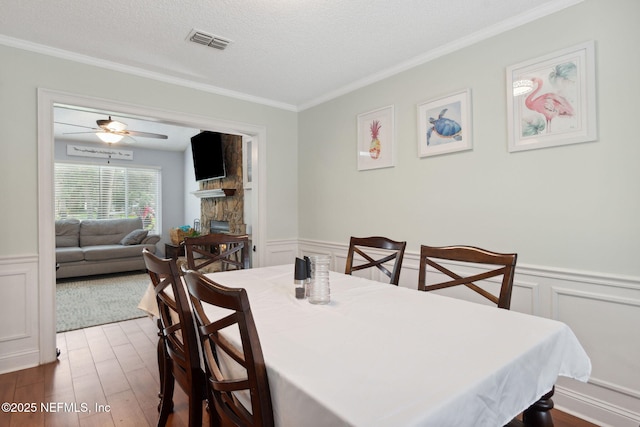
{"x": 97, "y": 300}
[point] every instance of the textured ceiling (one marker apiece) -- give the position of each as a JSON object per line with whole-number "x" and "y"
{"x": 288, "y": 53}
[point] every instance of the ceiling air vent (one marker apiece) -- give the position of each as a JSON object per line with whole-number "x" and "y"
{"x": 210, "y": 40}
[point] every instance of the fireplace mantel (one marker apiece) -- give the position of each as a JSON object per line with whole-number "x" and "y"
{"x": 218, "y": 192}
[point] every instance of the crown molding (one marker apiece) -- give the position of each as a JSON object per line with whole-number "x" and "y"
{"x": 504, "y": 26}
{"x": 114, "y": 66}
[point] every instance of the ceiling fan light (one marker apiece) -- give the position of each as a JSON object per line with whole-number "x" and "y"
{"x": 109, "y": 138}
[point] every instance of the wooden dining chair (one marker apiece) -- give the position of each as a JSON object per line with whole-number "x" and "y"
{"x": 249, "y": 378}
{"x": 217, "y": 252}
{"x": 392, "y": 252}
{"x": 178, "y": 350}
{"x": 492, "y": 264}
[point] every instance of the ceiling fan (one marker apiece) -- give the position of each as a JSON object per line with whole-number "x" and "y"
{"x": 112, "y": 131}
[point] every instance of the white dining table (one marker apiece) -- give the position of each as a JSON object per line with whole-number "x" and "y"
{"x": 383, "y": 355}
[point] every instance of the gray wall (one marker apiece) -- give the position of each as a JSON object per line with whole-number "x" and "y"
{"x": 570, "y": 207}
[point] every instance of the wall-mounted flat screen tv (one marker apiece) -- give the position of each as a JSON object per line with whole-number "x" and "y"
{"x": 208, "y": 156}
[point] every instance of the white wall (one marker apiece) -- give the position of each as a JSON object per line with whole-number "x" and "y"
{"x": 573, "y": 206}
{"x": 570, "y": 212}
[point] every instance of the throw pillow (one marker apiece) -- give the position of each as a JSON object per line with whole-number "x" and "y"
{"x": 135, "y": 237}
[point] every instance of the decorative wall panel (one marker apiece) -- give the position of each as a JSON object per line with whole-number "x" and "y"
{"x": 19, "y": 341}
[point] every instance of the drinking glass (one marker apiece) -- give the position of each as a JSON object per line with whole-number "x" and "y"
{"x": 320, "y": 291}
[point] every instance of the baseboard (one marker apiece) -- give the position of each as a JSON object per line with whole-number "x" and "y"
{"x": 594, "y": 410}
{"x": 16, "y": 362}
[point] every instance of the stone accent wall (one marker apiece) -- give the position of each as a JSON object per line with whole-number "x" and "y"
{"x": 230, "y": 208}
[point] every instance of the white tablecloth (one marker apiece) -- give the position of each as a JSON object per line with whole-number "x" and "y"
{"x": 382, "y": 355}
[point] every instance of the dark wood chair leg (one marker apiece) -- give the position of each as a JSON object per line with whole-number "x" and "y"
{"x": 539, "y": 414}
{"x": 165, "y": 407}
{"x": 214, "y": 418}
{"x": 195, "y": 406}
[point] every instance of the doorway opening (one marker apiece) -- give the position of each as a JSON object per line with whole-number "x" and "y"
{"x": 47, "y": 100}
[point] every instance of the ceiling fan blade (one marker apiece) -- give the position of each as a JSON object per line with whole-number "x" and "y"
{"x": 115, "y": 127}
{"x": 78, "y": 133}
{"x": 71, "y": 124}
{"x": 143, "y": 134}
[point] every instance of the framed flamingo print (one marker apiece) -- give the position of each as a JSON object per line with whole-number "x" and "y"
{"x": 444, "y": 124}
{"x": 551, "y": 99}
{"x": 376, "y": 134}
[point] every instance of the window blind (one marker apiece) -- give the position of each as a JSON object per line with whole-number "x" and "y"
{"x": 89, "y": 191}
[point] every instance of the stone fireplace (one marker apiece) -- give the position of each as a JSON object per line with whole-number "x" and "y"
{"x": 228, "y": 209}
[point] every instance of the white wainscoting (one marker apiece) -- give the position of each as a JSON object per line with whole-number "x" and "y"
{"x": 19, "y": 335}
{"x": 603, "y": 311}
{"x": 281, "y": 252}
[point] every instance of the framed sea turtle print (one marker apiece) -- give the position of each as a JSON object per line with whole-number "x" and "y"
{"x": 376, "y": 139}
{"x": 551, "y": 99}
{"x": 444, "y": 124}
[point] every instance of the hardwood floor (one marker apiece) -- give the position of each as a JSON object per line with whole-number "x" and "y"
{"x": 107, "y": 376}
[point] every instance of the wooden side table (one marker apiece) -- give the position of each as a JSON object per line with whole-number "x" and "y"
{"x": 173, "y": 251}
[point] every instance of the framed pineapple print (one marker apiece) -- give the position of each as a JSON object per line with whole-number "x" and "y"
{"x": 376, "y": 139}
{"x": 444, "y": 124}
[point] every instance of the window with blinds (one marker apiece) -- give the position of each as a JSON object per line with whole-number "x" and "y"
{"x": 89, "y": 191}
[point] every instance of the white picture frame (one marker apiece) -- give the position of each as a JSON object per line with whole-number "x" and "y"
{"x": 99, "y": 152}
{"x": 551, "y": 100}
{"x": 444, "y": 124}
{"x": 376, "y": 139}
{"x": 247, "y": 162}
